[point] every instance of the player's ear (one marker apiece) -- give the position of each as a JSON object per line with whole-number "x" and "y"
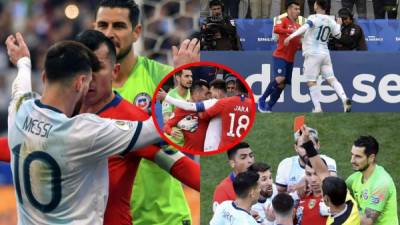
{"x": 232, "y": 163}
{"x": 43, "y": 77}
{"x": 79, "y": 82}
{"x": 371, "y": 158}
{"x": 115, "y": 72}
{"x": 136, "y": 32}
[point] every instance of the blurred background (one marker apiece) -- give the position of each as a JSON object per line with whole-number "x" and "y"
{"x": 43, "y": 22}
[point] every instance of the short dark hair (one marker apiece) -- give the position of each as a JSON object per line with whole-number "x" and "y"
{"x": 66, "y": 59}
{"x": 215, "y": 3}
{"x": 345, "y": 12}
{"x": 241, "y": 87}
{"x": 93, "y": 39}
{"x": 232, "y": 152}
{"x": 218, "y": 84}
{"x": 244, "y": 182}
{"x": 335, "y": 188}
{"x": 180, "y": 72}
{"x": 131, "y": 5}
{"x": 282, "y": 203}
{"x": 289, "y": 3}
{"x": 323, "y": 4}
{"x": 370, "y": 143}
{"x": 259, "y": 167}
{"x": 198, "y": 84}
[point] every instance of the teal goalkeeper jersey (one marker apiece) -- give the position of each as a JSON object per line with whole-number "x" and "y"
{"x": 157, "y": 198}
{"x": 378, "y": 193}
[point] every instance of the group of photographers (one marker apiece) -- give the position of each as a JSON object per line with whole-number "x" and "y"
{"x": 218, "y": 31}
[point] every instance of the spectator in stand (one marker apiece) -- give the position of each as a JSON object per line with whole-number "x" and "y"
{"x": 352, "y": 37}
{"x": 260, "y": 8}
{"x": 361, "y": 6}
{"x": 383, "y": 6}
{"x": 236, "y": 8}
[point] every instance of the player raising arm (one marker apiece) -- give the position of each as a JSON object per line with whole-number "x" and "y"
{"x": 59, "y": 162}
{"x": 317, "y": 60}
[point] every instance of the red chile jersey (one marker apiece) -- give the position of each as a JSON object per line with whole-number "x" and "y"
{"x": 235, "y": 115}
{"x": 194, "y": 137}
{"x": 284, "y": 28}
{"x": 122, "y": 170}
{"x": 224, "y": 191}
{"x": 308, "y": 211}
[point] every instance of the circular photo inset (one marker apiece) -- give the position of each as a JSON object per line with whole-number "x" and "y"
{"x": 203, "y": 108}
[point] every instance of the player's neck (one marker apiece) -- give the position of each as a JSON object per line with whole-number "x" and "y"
{"x": 182, "y": 91}
{"x": 59, "y": 98}
{"x": 244, "y": 204}
{"x": 321, "y": 12}
{"x": 284, "y": 221}
{"x": 337, "y": 209}
{"x": 96, "y": 107}
{"x": 127, "y": 64}
{"x": 368, "y": 172}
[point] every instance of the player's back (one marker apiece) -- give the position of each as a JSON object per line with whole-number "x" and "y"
{"x": 229, "y": 214}
{"x": 58, "y": 164}
{"x": 317, "y": 36}
{"x": 235, "y": 116}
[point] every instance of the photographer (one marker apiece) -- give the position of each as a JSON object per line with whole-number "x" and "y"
{"x": 218, "y": 32}
{"x": 352, "y": 37}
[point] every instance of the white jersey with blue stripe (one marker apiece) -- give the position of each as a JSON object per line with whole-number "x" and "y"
{"x": 227, "y": 213}
{"x": 290, "y": 172}
{"x": 316, "y": 38}
{"x": 260, "y": 207}
{"x": 59, "y": 164}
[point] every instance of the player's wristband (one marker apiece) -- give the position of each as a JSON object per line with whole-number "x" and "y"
{"x": 309, "y": 147}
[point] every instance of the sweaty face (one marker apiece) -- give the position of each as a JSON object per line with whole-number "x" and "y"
{"x": 265, "y": 183}
{"x": 243, "y": 159}
{"x": 313, "y": 180}
{"x": 216, "y": 10}
{"x": 359, "y": 159}
{"x": 185, "y": 79}
{"x": 115, "y": 24}
{"x": 101, "y": 85}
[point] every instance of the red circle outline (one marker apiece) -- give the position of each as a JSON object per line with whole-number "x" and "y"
{"x": 205, "y": 63}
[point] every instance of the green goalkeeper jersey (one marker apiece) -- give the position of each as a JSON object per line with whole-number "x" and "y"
{"x": 158, "y": 198}
{"x": 378, "y": 193}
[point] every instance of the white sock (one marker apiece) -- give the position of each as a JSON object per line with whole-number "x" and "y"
{"x": 315, "y": 94}
{"x": 339, "y": 90}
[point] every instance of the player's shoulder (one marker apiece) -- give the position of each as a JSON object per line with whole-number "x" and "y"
{"x": 287, "y": 161}
{"x": 130, "y": 111}
{"x": 382, "y": 177}
{"x": 154, "y": 68}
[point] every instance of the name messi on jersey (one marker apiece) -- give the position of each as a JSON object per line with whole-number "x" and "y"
{"x": 241, "y": 108}
{"x": 37, "y": 127}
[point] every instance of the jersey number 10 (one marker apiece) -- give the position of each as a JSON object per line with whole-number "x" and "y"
{"x": 323, "y": 33}
{"x": 55, "y": 173}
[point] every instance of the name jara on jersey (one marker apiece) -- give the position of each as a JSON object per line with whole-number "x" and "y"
{"x": 241, "y": 108}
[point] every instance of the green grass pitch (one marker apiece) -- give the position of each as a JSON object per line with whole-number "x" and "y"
{"x": 271, "y": 138}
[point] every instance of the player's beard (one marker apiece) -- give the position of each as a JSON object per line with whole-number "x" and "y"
{"x": 123, "y": 53}
{"x": 265, "y": 194}
{"x": 363, "y": 168}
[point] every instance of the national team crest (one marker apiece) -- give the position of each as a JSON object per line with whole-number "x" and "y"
{"x": 142, "y": 100}
{"x": 311, "y": 204}
{"x": 365, "y": 194}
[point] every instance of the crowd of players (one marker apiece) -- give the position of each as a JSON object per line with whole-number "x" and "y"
{"x": 71, "y": 166}
{"x": 306, "y": 189}
{"x": 204, "y": 116}
{"x": 317, "y": 62}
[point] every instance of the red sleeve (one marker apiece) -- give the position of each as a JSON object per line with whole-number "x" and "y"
{"x": 188, "y": 172}
{"x": 178, "y": 115}
{"x": 214, "y": 110}
{"x": 220, "y": 195}
{"x": 4, "y": 150}
{"x": 148, "y": 152}
{"x": 280, "y": 29}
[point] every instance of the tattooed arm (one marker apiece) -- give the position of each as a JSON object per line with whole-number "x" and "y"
{"x": 370, "y": 217}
